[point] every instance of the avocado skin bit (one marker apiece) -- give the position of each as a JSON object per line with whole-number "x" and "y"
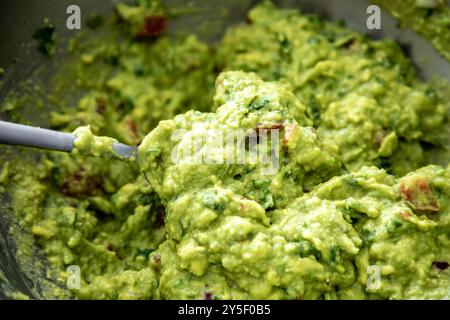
{"x": 354, "y": 189}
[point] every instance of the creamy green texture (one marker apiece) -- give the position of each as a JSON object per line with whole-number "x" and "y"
{"x": 318, "y": 244}
{"x": 431, "y": 18}
{"x": 354, "y": 190}
{"x": 246, "y": 103}
{"x": 361, "y": 94}
{"x": 88, "y": 144}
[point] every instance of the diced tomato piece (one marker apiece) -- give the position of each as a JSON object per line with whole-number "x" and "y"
{"x": 416, "y": 191}
{"x": 153, "y": 27}
{"x": 406, "y": 215}
{"x": 288, "y": 132}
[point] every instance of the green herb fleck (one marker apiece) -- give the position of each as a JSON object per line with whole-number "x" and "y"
{"x": 46, "y": 37}
{"x": 95, "y": 21}
{"x": 258, "y": 104}
{"x": 144, "y": 252}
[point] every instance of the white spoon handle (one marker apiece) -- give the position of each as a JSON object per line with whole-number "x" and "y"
{"x": 27, "y": 136}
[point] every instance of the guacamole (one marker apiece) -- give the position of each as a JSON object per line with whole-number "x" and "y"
{"x": 352, "y": 188}
{"x": 88, "y": 144}
{"x": 431, "y": 18}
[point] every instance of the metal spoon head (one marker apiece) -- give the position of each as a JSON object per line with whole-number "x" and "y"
{"x": 125, "y": 152}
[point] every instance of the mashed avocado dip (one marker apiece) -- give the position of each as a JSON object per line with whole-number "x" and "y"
{"x": 355, "y": 189}
{"x": 428, "y": 17}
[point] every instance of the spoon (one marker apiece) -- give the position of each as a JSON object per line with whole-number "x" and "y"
{"x": 27, "y": 136}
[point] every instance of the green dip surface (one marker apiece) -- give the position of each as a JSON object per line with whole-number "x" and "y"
{"x": 354, "y": 190}
{"x": 88, "y": 144}
{"x": 430, "y": 18}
